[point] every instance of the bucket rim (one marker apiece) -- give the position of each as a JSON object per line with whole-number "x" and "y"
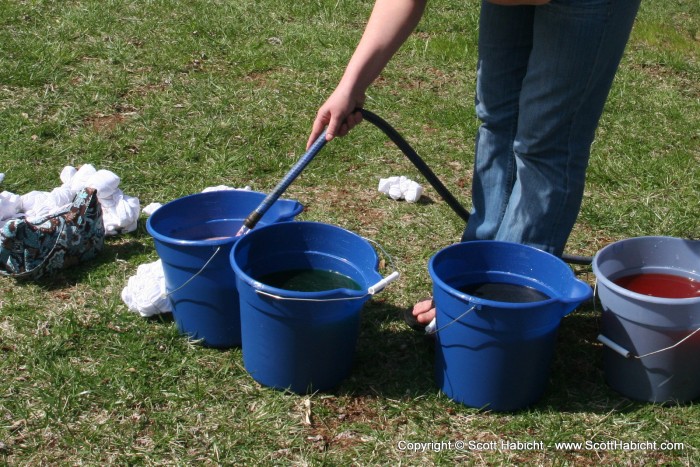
{"x": 619, "y": 290}
{"x": 298, "y": 208}
{"x": 329, "y": 294}
{"x": 341, "y": 292}
{"x": 479, "y": 302}
{"x": 184, "y": 242}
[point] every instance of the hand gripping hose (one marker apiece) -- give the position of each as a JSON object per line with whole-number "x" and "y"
{"x": 408, "y": 151}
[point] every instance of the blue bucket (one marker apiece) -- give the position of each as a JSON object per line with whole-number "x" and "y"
{"x": 491, "y": 354}
{"x": 193, "y": 237}
{"x": 294, "y": 340}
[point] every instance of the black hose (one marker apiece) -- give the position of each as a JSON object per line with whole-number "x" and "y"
{"x": 420, "y": 164}
{"x": 576, "y": 259}
{"x": 417, "y": 161}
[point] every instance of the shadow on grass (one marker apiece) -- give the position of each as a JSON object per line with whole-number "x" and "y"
{"x": 395, "y": 362}
{"x": 118, "y": 248}
{"x": 577, "y": 378}
{"x": 425, "y": 200}
{"x": 391, "y": 360}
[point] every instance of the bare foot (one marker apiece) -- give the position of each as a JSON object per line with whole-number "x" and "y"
{"x": 424, "y": 311}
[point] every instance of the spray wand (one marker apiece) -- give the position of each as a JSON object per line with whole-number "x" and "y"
{"x": 293, "y": 173}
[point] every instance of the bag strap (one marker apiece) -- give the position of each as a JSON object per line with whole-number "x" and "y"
{"x": 90, "y": 194}
{"x": 49, "y": 255}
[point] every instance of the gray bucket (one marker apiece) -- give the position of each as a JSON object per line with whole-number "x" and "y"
{"x": 651, "y": 343}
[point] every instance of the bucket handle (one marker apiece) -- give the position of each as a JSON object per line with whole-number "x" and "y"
{"x": 211, "y": 258}
{"x": 371, "y": 290}
{"x": 430, "y": 329}
{"x": 627, "y": 354}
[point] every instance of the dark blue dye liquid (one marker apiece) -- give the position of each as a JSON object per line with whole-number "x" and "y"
{"x": 504, "y": 292}
{"x": 309, "y": 280}
{"x": 212, "y": 230}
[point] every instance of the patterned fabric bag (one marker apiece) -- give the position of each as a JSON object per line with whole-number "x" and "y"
{"x": 32, "y": 248}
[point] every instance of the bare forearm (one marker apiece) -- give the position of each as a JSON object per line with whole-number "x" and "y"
{"x": 389, "y": 25}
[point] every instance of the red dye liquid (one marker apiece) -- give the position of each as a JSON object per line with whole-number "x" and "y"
{"x": 661, "y": 285}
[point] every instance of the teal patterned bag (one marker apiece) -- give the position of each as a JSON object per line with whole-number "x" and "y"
{"x": 32, "y": 248}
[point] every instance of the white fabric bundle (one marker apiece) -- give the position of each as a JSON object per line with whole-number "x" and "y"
{"x": 223, "y": 188}
{"x": 104, "y": 181}
{"x": 67, "y": 173}
{"x": 119, "y": 212}
{"x": 401, "y": 187}
{"x": 62, "y": 195}
{"x": 80, "y": 177}
{"x": 151, "y": 208}
{"x": 37, "y": 203}
{"x": 145, "y": 291}
{"x": 9, "y": 205}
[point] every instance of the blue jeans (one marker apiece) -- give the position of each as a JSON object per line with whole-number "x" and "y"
{"x": 544, "y": 74}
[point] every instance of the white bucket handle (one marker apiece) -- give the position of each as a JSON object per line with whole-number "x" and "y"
{"x": 371, "y": 290}
{"x": 627, "y": 354}
{"x": 429, "y": 330}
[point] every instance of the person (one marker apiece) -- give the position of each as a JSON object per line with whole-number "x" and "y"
{"x": 544, "y": 72}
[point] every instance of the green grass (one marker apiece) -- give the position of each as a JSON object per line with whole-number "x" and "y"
{"x": 178, "y": 96}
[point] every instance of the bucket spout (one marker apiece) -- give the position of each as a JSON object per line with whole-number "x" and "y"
{"x": 578, "y": 293}
{"x": 283, "y": 210}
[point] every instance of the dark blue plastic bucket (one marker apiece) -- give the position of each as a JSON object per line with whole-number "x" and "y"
{"x": 193, "y": 237}
{"x": 293, "y": 340}
{"x": 496, "y": 355}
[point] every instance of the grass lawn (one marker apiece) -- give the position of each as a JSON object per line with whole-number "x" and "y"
{"x": 177, "y": 96}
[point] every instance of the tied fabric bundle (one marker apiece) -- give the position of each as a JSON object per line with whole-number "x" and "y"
{"x": 145, "y": 292}
{"x": 120, "y": 212}
{"x": 32, "y": 248}
{"x": 400, "y": 187}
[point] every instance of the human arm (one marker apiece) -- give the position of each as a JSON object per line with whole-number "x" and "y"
{"x": 388, "y": 27}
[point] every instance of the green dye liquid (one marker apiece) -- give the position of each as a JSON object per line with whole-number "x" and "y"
{"x": 309, "y": 280}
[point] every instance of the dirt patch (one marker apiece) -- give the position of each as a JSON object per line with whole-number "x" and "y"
{"x": 109, "y": 122}
{"x": 354, "y": 202}
{"x": 342, "y": 422}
